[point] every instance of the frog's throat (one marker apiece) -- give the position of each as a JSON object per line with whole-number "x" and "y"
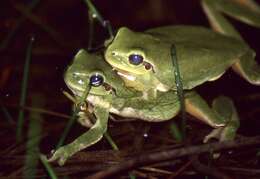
{"x": 98, "y": 101}
{"x": 125, "y": 74}
{"x": 75, "y": 89}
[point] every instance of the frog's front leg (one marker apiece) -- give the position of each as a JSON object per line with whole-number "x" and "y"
{"x": 93, "y": 135}
{"x": 224, "y": 120}
{"x": 247, "y": 11}
{"x": 85, "y": 116}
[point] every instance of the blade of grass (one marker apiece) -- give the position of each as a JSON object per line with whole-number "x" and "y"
{"x": 179, "y": 86}
{"x": 74, "y": 117}
{"x": 175, "y": 131}
{"x": 24, "y": 90}
{"x": 32, "y": 145}
{"x": 110, "y": 141}
{"x": 7, "y": 114}
{"x": 96, "y": 15}
{"x": 18, "y": 24}
{"x": 48, "y": 167}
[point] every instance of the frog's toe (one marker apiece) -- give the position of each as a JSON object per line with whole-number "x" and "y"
{"x": 221, "y": 134}
{"x": 61, "y": 161}
{"x": 214, "y": 134}
{"x": 228, "y": 133}
{"x": 61, "y": 155}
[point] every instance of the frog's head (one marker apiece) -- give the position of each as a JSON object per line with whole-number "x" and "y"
{"x": 142, "y": 54}
{"x": 92, "y": 69}
{"x": 88, "y": 69}
{"x": 128, "y": 52}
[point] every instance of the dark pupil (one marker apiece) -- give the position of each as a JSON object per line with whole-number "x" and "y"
{"x": 96, "y": 80}
{"x": 135, "y": 59}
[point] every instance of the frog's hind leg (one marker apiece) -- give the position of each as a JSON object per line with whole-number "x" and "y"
{"x": 196, "y": 106}
{"x": 225, "y": 107}
{"x": 222, "y": 116}
{"x": 247, "y": 11}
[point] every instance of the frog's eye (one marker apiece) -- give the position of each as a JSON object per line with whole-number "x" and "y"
{"x": 96, "y": 80}
{"x": 135, "y": 59}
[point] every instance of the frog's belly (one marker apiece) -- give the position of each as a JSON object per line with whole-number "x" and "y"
{"x": 139, "y": 114}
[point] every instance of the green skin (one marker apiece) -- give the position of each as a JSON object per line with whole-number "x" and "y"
{"x": 117, "y": 99}
{"x": 130, "y": 103}
{"x": 217, "y": 56}
{"x": 203, "y": 55}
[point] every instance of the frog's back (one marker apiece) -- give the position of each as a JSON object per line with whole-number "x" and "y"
{"x": 203, "y": 55}
{"x": 197, "y": 35}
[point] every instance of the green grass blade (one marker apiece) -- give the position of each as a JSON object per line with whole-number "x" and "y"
{"x": 73, "y": 118}
{"x": 48, "y": 167}
{"x": 90, "y": 31}
{"x": 34, "y": 133}
{"x": 131, "y": 176}
{"x": 110, "y": 141}
{"x": 95, "y": 14}
{"x": 179, "y": 86}
{"x": 7, "y": 114}
{"x": 24, "y": 90}
{"x": 94, "y": 11}
{"x": 176, "y": 132}
{"x": 67, "y": 129}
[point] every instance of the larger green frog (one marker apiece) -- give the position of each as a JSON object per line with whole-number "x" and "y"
{"x": 108, "y": 94}
{"x": 144, "y": 61}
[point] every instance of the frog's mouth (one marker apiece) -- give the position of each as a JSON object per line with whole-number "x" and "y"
{"x": 78, "y": 91}
{"x": 124, "y": 74}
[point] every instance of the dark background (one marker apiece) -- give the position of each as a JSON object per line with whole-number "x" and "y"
{"x": 68, "y": 21}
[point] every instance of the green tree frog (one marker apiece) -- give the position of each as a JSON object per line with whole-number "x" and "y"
{"x": 143, "y": 59}
{"x": 108, "y": 94}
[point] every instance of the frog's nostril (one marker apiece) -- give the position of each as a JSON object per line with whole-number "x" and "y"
{"x": 74, "y": 75}
{"x": 113, "y": 53}
{"x": 80, "y": 81}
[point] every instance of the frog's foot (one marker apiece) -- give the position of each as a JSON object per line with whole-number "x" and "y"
{"x": 92, "y": 136}
{"x": 222, "y": 116}
{"x": 221, "y": 134}
{"x": 198, "y": 107}
{"x": 61, "y": 155}
{"x": 224, "y": 107}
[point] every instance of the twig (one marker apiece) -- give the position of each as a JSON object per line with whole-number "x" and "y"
{"x": 172, "y": 154}
{"x": 243, "y": 171}
{"x": 180, "y": 170}
{"x": 40, "y": 110}
{"x": 207, "y": 170}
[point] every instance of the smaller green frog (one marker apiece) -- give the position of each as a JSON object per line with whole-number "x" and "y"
{"x": 108, "y": 94}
